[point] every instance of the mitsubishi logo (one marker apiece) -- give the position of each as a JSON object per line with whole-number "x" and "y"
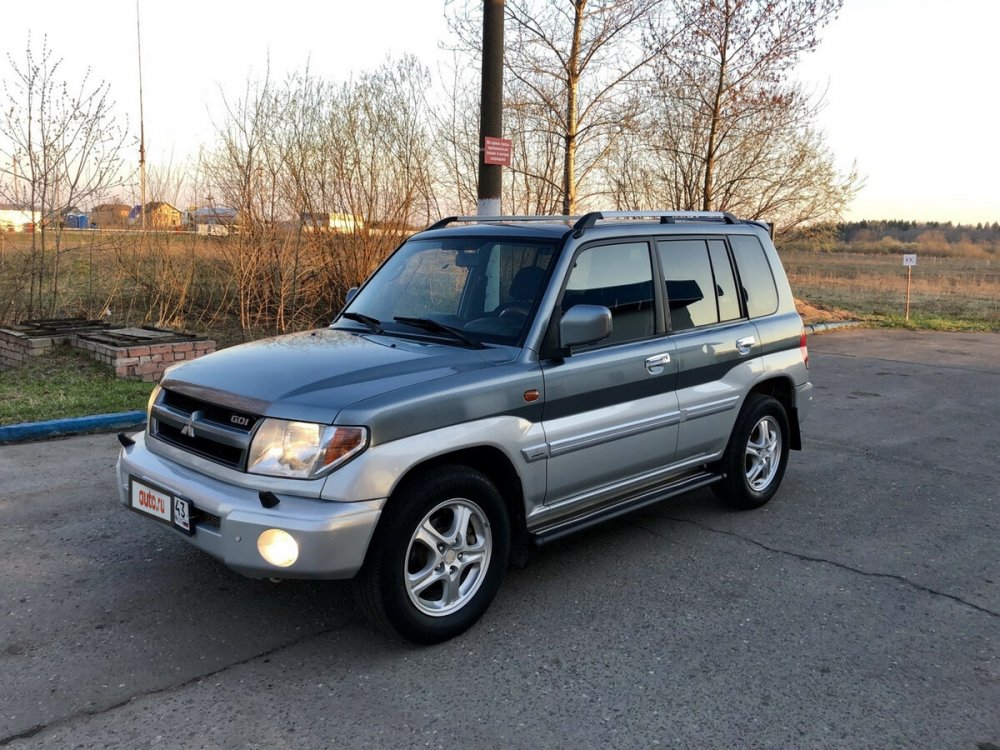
{"x": 188, "y": 429}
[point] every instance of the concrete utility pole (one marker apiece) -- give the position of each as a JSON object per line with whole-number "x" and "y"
{"x": 491, "y": 107}
{"x": 142, "y": 127}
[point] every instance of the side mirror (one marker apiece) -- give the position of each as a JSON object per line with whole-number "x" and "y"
{"x": 351, "y": 294}
{"x": 584, "y": 324}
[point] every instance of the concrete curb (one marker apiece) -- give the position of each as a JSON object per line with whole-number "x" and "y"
{"x": 19, "y": 433}
{"x": 820, "y": 327}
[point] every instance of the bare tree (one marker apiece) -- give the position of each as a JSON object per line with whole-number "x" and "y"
{"x": 327, "y": 179}
{"x": 732, "y": 130}
{"x": 572, "y": 71}
{"x": 60, "y": 145}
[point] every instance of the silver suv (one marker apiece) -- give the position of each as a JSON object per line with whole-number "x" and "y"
{"x": 497, "y": 384}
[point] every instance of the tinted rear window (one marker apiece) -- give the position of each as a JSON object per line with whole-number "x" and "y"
{"x": 759, "y": 291}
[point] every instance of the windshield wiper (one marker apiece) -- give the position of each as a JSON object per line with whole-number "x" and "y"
{"x": 373, "y": 323}
{"x": 432, "y": 325}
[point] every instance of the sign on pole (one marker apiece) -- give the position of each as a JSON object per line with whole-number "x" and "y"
{"x": 909, "y": 261}
{"x": 497, "y": 151}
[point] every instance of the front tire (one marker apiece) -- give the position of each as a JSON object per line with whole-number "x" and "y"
{"x": 438, "y": 556}
{"x": 757, "y": 455}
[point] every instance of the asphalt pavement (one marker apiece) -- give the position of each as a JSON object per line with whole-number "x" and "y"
{"x": 860, "y": 608}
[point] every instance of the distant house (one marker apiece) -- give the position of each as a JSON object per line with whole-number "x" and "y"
{"x": 14, "y": 218}
{"x": 109, "y": 216}
{"x": 330, "y": 222}
{"x": 159, "y": 215}
{"x": 215, "y": 220}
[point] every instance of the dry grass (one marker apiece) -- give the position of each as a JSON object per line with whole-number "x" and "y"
{"x": 259, "y": 283}
{"x": 960, "y": 289}
{"x": 211, "y": 284}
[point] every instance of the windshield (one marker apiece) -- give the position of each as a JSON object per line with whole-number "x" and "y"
{"x": 482, "y": 289}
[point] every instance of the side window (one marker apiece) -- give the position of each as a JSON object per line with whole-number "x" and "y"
{"x": 755, "y": 274}
{"x": 687, "y": 272}
{"x": 620, "y": 278}
{"x": 725, "y": 281}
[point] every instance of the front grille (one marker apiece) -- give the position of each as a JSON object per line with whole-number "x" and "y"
{"x": 205, "y": 429}
{"x": 204, "y": 447}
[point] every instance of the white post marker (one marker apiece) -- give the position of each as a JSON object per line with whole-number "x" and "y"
{"x": 909, "y": 261}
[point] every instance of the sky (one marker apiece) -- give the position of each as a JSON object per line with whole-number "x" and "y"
{"x": 910, "y": 85}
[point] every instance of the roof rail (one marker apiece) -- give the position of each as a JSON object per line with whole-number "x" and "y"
{"x": 586, "y": 221}
{"x": 493, "y": 219}
{"x": 665, "y": 217}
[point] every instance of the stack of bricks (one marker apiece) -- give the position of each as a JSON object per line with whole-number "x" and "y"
{"x": 138, "y": 353}
{"x": 143, "y": 361}
{"x": 17, "y": 346}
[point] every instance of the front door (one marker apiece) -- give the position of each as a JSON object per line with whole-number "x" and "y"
{"x": 611, "y": 414}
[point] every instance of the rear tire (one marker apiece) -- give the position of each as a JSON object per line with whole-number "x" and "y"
{"x": 438, "y": 556}
{"x": 755, "y": 459}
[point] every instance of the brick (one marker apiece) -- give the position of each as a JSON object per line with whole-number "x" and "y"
{"x": 126, "y": 361}
{"x": 188, "y": 347}
{"x": 138, "y": 351}
{"x": 160, "y": 348}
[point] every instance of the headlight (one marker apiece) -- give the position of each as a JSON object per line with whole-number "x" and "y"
{"x": 152, "y": 400}
{"x": 302, "y": 450}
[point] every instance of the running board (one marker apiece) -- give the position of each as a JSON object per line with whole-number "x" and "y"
{"x": 567, "y": 526}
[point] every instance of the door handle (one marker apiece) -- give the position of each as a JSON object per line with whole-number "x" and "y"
{"x": 656, "y": 363}
{"x": 745, "y": 344}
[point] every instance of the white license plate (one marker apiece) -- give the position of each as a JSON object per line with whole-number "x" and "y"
{"x": 158, "y": 503}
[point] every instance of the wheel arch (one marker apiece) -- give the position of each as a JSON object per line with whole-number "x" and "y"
{"x": 783, "y": 390}
{"x": 495, "y": 466}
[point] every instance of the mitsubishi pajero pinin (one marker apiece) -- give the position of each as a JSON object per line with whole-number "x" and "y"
{"x": 498, "y": 383}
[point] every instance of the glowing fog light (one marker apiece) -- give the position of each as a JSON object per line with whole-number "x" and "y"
{"x": 278, "y": 547}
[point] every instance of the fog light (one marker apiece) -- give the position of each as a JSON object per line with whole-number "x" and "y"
{"x": 278, "y": 547}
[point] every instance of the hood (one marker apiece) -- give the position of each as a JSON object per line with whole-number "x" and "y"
{"x": 314, "y": 374}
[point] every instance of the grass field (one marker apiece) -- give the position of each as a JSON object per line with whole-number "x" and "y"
{"x": 958, "y": 293}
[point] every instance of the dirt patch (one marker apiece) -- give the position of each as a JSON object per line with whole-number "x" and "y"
{"x": 817, "y": 313}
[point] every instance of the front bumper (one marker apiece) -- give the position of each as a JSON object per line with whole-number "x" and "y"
{"x": 332, "y": 536}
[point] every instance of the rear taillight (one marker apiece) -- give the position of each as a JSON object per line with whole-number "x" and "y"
{"x": 804, "y": 348}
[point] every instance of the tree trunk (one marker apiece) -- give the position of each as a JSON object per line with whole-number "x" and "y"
{"x": 708, "y": 192}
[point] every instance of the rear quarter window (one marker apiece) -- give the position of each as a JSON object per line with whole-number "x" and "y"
{"x": 756, "y": 276}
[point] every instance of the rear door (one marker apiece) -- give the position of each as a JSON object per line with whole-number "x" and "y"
{"x": 716, "y": 346}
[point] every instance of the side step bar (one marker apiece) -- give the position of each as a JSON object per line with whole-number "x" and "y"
{"x": 565, "y": 527}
